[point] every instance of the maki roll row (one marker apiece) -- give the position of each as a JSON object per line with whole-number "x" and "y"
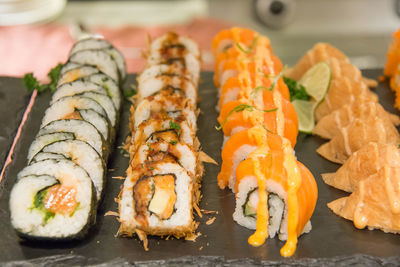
{"x": 57, "y": 194}
{"x": 163, "y": 178}
{"x": 275, "y": 194}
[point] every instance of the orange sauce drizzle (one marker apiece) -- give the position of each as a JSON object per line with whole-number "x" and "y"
{"x": 261, "y": 233}
{"x": 293, "y": 182}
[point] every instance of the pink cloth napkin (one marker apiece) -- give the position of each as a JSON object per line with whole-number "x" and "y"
{"x": 38, "y": 48}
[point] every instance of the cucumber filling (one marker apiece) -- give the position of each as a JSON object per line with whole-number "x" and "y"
{"x": 276, "y": 208}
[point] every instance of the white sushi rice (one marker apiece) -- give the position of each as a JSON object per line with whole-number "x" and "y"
{"x": 83, "y": 155}
{"x": 186, "y": 156}
{"x": 152, "y": 126}
{"x": 76, "y": 87}
{"x": 277, "y": 224}
{"x": 68, "y": 105}
{"x": 107, "y": 104}
{"x": 43, "y": 140}
{"x": 98, "y": 58}
{"x": 110, "y": 86}
{"x": 146, "y": 107}
{"x": 183, "y": 205}
{"x": 102, "y": 44}
{"x": 75, "y": 74}
{"x": 238, "y": 156}
{"x": 82, "y": 130}
{"x": 30, "y": 221}
{"x": 99, "y": 121}
{"x": 190, "y": 45}
{"x": 46, "y": 155}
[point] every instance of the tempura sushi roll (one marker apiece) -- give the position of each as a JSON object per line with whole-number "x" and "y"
{"x": 169, "y": 130}
{"x": 172, "y": 49}
{"x": 176, "y": 82}
{"x": 162, "y": 105}
{"x": 52, "y": 199}
{"x": 157, "y": 199}
{"x": 159, "y": 150}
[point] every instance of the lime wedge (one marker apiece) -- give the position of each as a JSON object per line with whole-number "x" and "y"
{"x": 305, "y": 114}
{"x": 316, "y": 81}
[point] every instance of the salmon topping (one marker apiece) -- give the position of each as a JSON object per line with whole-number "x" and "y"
{"x": 61, "y": 199}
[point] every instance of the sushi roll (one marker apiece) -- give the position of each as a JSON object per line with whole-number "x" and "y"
{"x": 275, "y": 194}
{"x": 79, "y": 108}
{"x": 97, "y": 43}
{"x": 162, "y": 186}
{"x": 151, "y": 83}
{"x": 46, "y": 139}
{"x": 57, "y": 194}
{"x": 173, "y": 106}
{"x": 157, "y": 199}
{"x": 99, "y": 59}
{"x": 76, "y": 73}
{"x": 81, "y": 129}
{"x": 52, "y": 200}
{"x": 85, "y": 156}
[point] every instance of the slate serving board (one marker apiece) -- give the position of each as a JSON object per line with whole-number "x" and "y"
{"x": 333, "y": 240}
{"x": 13, "y": 100}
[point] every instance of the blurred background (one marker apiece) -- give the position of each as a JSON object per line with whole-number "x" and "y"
{"x": 36, "y": 34}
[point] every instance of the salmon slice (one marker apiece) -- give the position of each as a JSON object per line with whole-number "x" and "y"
{"x": 374, "y": 203}
{"x": 248, "y": 85}
{"x": 61, "y": 199}
{"x": 274, "y": 169}
{"x": 264, "y": 62}
{"x": 367, "y": 161}
{"x": 353, "y": 91}
{"x": 226, "y": 38}
{"x": 357, "y": 134}
{"x": 329, "y": 126}
{"x": 277, "y": 116}
{"x": 236, "y": 149}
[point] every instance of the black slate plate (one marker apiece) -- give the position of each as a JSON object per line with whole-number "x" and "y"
{"x": 13, "y": 101}
{"x": 331, "y": 236}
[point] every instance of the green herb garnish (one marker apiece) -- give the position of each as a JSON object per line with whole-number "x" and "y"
{"x": 172, "y": 142}
{"x": 54, "y": 75}
{"x": 149, "y": 146}
{"x": 249, "y": 48}
{"x": 128, "y": 93}
{"x": 296, "y": 90}
{"x": 240, "y": 108}
{"x": 176, "y": 126}
{"x": 32, "y": 83}
{"x": 38, "y": 203}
